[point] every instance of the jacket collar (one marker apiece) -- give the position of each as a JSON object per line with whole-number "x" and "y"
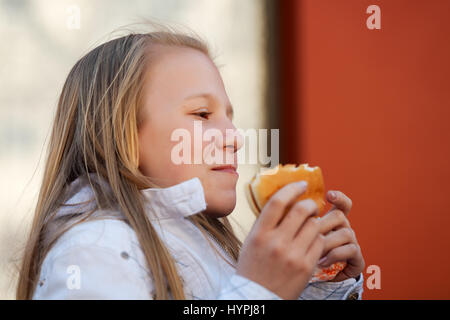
{"x": 178, "y": 201}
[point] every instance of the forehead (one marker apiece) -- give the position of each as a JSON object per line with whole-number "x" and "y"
{"x": 182, "y": 72}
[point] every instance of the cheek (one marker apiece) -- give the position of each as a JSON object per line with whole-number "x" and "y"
{"x": 154, "y": 150}
{"x": 155, "y": 153}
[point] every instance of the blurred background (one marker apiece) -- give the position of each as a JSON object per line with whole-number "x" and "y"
{"x": 369, "y": 106}
{"x": 42, "y": 40}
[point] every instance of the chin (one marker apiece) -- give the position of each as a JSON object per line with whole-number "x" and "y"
{"x": 220, "y": 210}
{"x": 216, "y": 214}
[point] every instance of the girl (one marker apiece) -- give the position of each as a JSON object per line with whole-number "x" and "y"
{"x": 116, "y": 218}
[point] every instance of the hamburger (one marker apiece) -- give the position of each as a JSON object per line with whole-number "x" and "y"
{"x": 263, "y": 185}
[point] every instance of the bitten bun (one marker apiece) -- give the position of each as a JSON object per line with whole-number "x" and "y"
{"x": 263, "y": 185}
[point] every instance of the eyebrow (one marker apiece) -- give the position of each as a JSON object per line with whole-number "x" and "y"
{"x": 230, "y": 110}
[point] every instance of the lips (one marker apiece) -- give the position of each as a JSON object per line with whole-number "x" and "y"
{"x": 227, "y": 169}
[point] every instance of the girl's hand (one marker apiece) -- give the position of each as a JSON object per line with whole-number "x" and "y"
{"x": 340, "y": 240}
{"x": 281, "y": 253}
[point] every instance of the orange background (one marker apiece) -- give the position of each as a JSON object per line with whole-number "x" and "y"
{"x": 372, "y": 109}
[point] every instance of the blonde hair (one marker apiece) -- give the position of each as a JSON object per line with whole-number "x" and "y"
{"x": 95, "y": 130}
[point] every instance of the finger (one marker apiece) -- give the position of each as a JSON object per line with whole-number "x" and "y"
{"x": 275, "y": 208}
{"x": 338, "y": 238}
{"x": 305, "y": 237}
{"x": 296, "y": 217}
{"x": 340, "y": 201}
{"x": 349, "y": 253}
{"x": 334, "y": 219}
{"x": 354, "y": 267}
{"x": 315, "y": 250}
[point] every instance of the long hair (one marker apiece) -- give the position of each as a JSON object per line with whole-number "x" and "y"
{"x": 95, "y": 130}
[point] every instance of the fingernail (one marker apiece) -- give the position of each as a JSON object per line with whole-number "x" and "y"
{"x": 302, "y": 184}
{"x": 321, "y": 261}
{"x": 332, "y": 195}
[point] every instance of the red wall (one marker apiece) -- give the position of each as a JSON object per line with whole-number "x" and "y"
{"x": 372, "y": 109}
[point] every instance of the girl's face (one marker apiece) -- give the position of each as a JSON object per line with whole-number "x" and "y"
{"x": 183, "y": 86}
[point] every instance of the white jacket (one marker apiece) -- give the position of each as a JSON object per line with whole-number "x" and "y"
{"x": 102, "y": 259}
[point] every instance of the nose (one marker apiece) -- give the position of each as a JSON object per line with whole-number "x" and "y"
{"x": 233, "y": 139}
